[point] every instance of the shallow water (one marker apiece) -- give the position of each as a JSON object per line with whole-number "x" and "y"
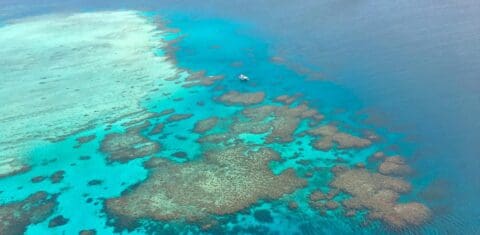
{"x": 186, "y": 42}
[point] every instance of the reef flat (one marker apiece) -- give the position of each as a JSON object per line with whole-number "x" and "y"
{"x": 72, "y": 72}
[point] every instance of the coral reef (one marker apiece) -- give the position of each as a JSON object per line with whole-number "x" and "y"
{"x": 123, "y": 147}
{"x": 16, "y": 216}
{"x": 237, "y": 98}
{"x": 57, "y": 221}
{"x": 199, "y": 79}
{"x": 328, "y": 135}
{"x": 38, "y": 179}
{"x": 179, "y": 117}
{"x": 88, "y": 232}
{"x": 395, "y": 165}
{"x": 283, "y": 120}
{"x": 205, "y": 125}
{"x": 10, "y": 166}
{"x": 57, "y": 177}
{"x": 157, "y": 129}
{"x": 113, "y": 90}
{"x": 214, "y": 138}
{"x": 379, "y": 194}
{"x": 222, "y": 182}
{"x": 285, "y": 99}
{"x": 85, "y": 139}
{"x": 94, "y": 182}
{"x": 292, "y": 205}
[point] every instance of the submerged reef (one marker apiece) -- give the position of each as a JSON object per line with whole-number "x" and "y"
{"x": 224, "y": 181}
{"x": 179, "y": 117}
{"x": 283, "y": 120}
{"x": 200, "y": 79}
{"x": 16, "y": 216}
{"x": 123, "y": 147}
{"x": 205, "y": 125}
{"x": 237, "y": 98}
{"x": 12, "y": 166}
{"x": 395, "y": 165}
{"x": 379, "y": 195}
{"x": 328, "y": 135}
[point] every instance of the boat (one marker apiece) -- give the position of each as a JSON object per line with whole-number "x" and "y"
{"x": 243, "y": 77}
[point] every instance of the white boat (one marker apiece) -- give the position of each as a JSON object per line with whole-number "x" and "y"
{"x": 243, "y": 77}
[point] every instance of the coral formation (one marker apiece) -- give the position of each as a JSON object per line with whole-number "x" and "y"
{"x": 328, "y": 135}
{"x": 88, "y": 232}
{"x": 16, "y": 216}
{"x": 38, "y": 179}
{"x": 222, "y": 182}
{"x": 285, "y": 99}
{"x": 57, "y": 177}
{"x": 199, "y": 79}
{"x": 57, "y": 221}
{"x": 123, "y": 147}
{"x": 85, "y": 139}
{"x": 157, "y": 129}
{"x": 94, "y": 182}
{"x": 395, "y": 165}
{"x": 292, "y": 205}
{"x": 283, "y": 120}
{"x": 214, "y": 138}
{"x": 205, "y": 125}
{"x": 10, "y": 166}
{"x": 379, "y": 194}
{"x": 179, "y": 117}
{"x": 237, "y": 98}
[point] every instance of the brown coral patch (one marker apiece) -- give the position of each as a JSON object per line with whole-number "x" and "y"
{"x": 223, "y": 182}
{"x": 328, "y": 135}
{"x": 258, "y": 127}
{"x": 282, "y": 120}
{"x": 205, "y": 125}
{"x": 237, "y": 98}
{"x": 179, "y": 117}
{"x": 16, "y": 216}
{"x": 395, "y": 165}
{"x": 285, "y": 99}
{"x": 123, "y": 147}
{"x": 85, "y": 139}
{"x": 199, "y": 79}
{"x": 379, "y": 194}
{"x": 157, "y": 129}
{"x": 57, "y": 177}
{"x": 214, "y": 138}
{"x": 88, "y": 232}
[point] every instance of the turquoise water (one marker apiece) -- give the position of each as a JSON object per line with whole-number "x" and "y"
{"x": 219, "y": 46}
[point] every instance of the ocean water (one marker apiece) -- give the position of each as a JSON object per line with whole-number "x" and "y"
{"x": 121, "y": 86}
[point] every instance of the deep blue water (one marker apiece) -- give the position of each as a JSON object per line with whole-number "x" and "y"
{"x": 408, "y": 69}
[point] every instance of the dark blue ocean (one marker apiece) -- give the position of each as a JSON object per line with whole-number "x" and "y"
{"x": 406, "y": 70}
